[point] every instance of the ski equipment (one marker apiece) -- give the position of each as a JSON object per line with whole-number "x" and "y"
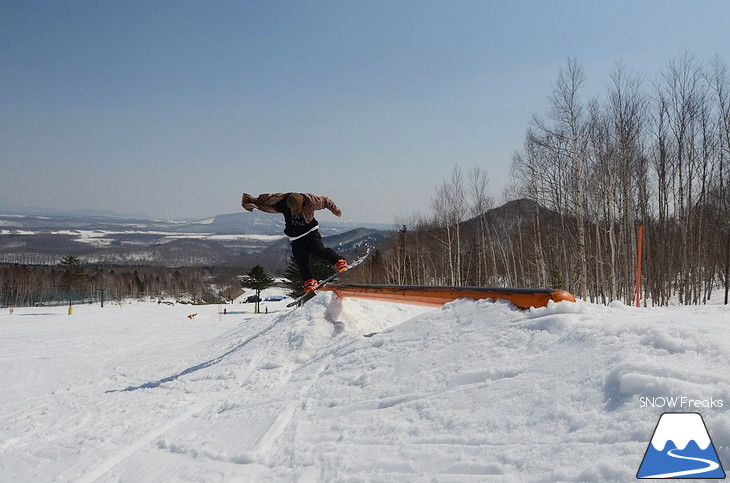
{"x": 310, "y": 285}
{"x": 309, "y": 295}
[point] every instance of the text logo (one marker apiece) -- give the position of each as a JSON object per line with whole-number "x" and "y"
{"x": 676, "y": 402}
{"x": 680, "y": 448}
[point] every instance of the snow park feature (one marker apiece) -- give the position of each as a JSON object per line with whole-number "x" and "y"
{"x": 437, "y": 296}
{"x": 470, "y": 391}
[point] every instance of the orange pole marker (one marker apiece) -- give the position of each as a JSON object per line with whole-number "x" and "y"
{"x": 638, "y": 265}
{"x": 437, "y": 296}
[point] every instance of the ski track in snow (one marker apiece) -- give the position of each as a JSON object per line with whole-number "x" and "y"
{"x": 124, "y": 453}
{"x": 156, "y": 433}
{"x": 474, "y": 391}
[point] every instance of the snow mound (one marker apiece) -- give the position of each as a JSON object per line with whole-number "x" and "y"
{"x": 472, "y": 391}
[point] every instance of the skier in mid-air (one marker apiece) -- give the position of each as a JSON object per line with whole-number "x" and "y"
{"x": 301, "y": 228}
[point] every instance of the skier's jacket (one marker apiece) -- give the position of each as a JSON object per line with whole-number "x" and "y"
{"x": 296, "y": 225}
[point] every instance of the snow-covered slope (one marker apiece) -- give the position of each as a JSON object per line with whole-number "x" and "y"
{"x": 474, "y": 391}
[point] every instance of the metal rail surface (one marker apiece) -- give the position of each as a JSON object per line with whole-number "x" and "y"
{"x": 523, "y": 298}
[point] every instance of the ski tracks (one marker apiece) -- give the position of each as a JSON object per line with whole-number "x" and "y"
{"x": 266, "y": 445}
{"x": 248, "y": 435}
{"x": 122, "y": 454}
{"x": 210, "y": 403}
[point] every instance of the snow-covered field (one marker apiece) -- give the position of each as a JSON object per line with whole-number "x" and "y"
{"x": 473, "y": 391}
{"x": 103, "y": 238}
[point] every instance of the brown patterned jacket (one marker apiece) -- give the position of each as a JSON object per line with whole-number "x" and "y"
{"x": 265, "y": 202}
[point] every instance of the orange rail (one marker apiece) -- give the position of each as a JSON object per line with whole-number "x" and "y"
{"x": 437, "y": 296}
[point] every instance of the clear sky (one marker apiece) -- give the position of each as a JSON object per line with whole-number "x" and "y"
{"x": 174, "y": 108}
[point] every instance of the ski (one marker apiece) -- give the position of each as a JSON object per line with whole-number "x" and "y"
{"x": 303, "y": 298}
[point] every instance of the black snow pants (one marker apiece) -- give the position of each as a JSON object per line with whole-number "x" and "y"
{"x": 302, "y": 247}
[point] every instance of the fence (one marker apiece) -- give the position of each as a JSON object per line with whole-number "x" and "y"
{"x": 49, "y": 299}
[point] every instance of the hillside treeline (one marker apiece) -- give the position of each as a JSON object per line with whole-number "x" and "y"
{"x": 69, "y": 282}
{"x": 644, "y": 153}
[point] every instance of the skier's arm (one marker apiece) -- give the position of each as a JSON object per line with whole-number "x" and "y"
{"x": 264, "y": 202}
{"x": 330, "y": 205}
{"x": 322, "y": 202}
{"x": 247, "y": 201}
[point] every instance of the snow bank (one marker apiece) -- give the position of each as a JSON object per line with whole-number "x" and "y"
{"x": 474, "y": 391}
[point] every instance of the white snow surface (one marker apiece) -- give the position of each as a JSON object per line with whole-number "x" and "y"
{"x": 472, "y": 391}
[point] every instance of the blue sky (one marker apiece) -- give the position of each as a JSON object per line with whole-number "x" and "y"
{"x": 174, "y": 108}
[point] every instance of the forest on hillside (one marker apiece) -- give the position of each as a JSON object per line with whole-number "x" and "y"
{"x": 649, "y": 153}
{"x": 70, "y": 282}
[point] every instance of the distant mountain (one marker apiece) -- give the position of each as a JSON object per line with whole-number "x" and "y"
{"x": 253, "y": 223}
{"x": 241, "y": 238}
{"x": 9, "y": 209}
{"x": 228, "y": 239}
{"x": 256, "y": 223}
{"x": 513, "y": 212}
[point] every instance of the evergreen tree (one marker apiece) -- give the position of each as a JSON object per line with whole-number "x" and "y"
{"x": 73, "y": 276}
{"x": 257, "y": 279}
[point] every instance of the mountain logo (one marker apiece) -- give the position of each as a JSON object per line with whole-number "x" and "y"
{"x": 680, "y": 448}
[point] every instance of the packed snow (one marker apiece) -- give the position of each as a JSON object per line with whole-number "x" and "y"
{"x": 472, "y": 391}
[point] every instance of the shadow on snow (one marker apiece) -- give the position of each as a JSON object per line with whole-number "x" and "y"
{"x": 197, "y": 367}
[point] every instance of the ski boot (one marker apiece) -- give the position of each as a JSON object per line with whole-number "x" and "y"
{"x": 341, "y": 265}
{"x": 310, "y": 285}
